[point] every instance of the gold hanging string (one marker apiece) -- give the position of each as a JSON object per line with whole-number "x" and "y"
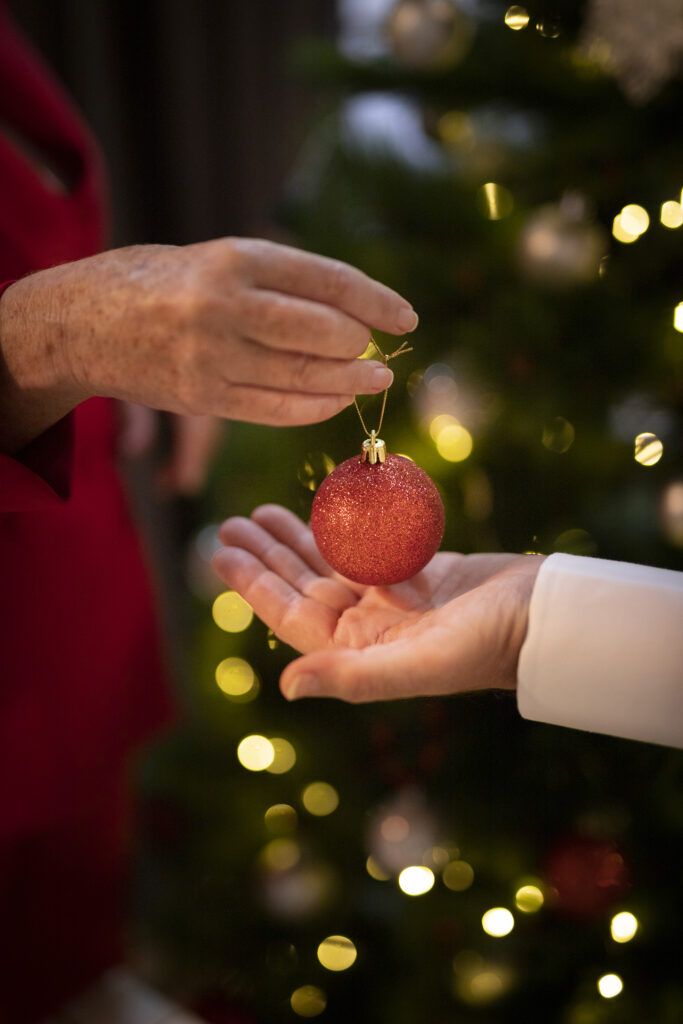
{"x": 400, "y": 351}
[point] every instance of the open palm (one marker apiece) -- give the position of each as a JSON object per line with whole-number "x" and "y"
{"x": 458, "y": 625}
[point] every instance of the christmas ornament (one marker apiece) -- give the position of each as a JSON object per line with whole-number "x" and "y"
{"x": 559, "y": 246}
{"x": 428, "y": 34}
{"x": 641, "y": 44}
{"x": 377, "y": 518}
{"x": 588, "y": 875}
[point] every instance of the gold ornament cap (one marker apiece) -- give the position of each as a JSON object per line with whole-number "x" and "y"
{"x": 374, "y": 449}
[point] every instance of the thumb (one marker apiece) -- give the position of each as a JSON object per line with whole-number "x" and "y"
{"x": 384, "y": 672}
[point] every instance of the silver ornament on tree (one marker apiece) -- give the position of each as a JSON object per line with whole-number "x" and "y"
{"x": 428, "y": 34}
{"x": 560, "y": 246}
{"x": 640, "y": 43}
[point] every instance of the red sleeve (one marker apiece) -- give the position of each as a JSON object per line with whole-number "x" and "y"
{"x": 40, "y": 474}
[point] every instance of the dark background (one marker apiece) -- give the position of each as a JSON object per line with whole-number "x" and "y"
{"x": 191, "y": 101}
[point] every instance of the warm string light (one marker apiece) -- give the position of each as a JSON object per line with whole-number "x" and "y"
{"x": 623, "y": 926}
{"x": 516, "y": 18}
{"x": 416, "y": 880}
{"x": 529, "y": 898}
{"x": 458, "y": 875}
{"x": 647, "y": 449}
{"x": 495, "y": 200}
{"x": 255, "y": 753}
{"x": 671, "y": 214}
{"x": 231, "y": 612}
{"x": 610, "y": 985}
{"x": 337, "y": 953}
{"x": 498, "y": 922}
{"x": 320, "y": 799}
{"x": 678, "y": 317}
{"x": 308, "y": 1001}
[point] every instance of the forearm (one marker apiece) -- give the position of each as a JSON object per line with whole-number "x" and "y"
{"x": 36, "y": 389}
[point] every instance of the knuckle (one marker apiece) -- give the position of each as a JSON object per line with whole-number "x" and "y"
{"x": 340, "y": 280}
{"x": 303, "y": 370}
{"x": 232, "y": 253}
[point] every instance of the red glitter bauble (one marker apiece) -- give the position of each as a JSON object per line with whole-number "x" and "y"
{"x": 377, "y": 524}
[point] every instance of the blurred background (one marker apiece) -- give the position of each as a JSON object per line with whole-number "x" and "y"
{"x": 516, "y": 172}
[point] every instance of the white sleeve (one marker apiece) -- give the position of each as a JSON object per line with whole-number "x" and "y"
{"x": 604, "y": 649}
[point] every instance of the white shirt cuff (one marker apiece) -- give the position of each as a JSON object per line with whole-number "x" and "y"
{"x": 604, "y": 649}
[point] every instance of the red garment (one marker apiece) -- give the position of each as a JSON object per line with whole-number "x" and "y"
{"x": 81, "y": 680}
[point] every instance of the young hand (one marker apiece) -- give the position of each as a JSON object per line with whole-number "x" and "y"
{"x": 458, "y": 625}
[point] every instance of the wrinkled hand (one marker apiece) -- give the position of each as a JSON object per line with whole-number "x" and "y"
{"x": 458, "y": 625}
{"x": 238, "y": 328}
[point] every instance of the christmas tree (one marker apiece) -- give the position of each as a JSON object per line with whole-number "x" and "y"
{"x": 517, "y": 174}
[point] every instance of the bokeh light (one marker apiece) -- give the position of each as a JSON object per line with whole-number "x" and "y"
{"x": 516, "y": 17}
{"x": 255, "y": 753}
{"x": 671, "y": 214}
{"x": 455, "y": 128}
{"x": 375, "y": 870}
{"x": 235, "y": 677}
{"x": 337, "y": 953}
{"x": 549, "y": 28}
{"x": 440, "y": 423}
{"x": 231, "y": 612}
{"x": 498, "y": 921}
{"x": 284, "y": 756}
{"x": 529, "y": 898}
{"x": 495, "y": 200}
{"x": 320, "y": 799}
{"x": 678, "y": 317}
{"x": 454, "y": 443}
{"x": 620, "y": 232}
{"x": 647, "y": 449}
{"x": 416, "y": 880}
{"x": 623, "y": 926}
{"x": 558, "y": 435}
{"x": 281, "y": 854}
{"x": 308, "y": 1001}
{"x": 281, "y": 819}
{"x": 458, "y": 875}
{"x": 635, "y": 219}
{"x": 610, "y": 985}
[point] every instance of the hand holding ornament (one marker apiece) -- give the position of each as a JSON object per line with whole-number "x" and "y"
{"x": 457, "y": 625}
{"x": 237, "y": 328}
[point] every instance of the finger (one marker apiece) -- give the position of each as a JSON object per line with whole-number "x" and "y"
{"x": 253, "y": 363}
{"x": 328, "y": 281}
{"x": 277, "y": 408}
{"x": 289, "y": 529}
{"x": 299, "y": 621}
{"x": 280, "y": 559}
{"x": 299, "y": 325}
{"x": 384, "y": 672}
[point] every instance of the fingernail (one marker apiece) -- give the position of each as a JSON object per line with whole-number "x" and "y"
{"x": 407, "y": 319}
{"x": 302, "y": 686}
{"x": 381, "y": 377}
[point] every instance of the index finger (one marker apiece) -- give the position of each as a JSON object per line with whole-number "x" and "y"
{"x": 332, "y": 282}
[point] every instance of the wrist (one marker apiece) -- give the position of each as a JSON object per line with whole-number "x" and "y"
{"x": 36, "y": 385}
{"x": 528, "y": 569}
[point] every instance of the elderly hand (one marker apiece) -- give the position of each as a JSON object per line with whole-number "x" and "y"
{"x": 237, "y": 328}
{"x": 458, "y": 625}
